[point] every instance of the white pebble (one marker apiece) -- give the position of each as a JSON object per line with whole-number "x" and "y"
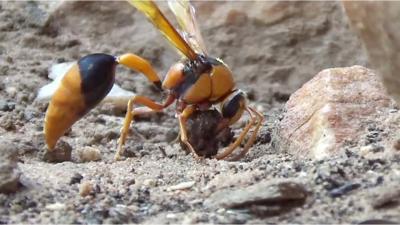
{"x": 88, "y": 154}
{"x": 181, "y": 186}
{"x": 56, "y": 206}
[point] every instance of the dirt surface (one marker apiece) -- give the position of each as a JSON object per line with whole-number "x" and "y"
{"x": 270, "y": 61}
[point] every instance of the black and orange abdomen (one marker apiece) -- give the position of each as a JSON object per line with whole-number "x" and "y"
{"x": 81, "y": 89}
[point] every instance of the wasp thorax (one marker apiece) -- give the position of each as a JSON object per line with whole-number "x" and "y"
{"x": 174, "y": 76}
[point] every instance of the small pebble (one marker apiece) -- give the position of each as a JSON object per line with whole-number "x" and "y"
{"x": 6, "y": 106}
{"x": 265, "y": 138}
{"x": 130, "y": 182}
{"x": 85, "y": 189}
{"x": 171, "y": 216}
{"x": 337, "y": 192}
{"x": 61, "y": 153}
{"x": 397, "y": 144}
{"x": 76, "y": 178}
{"x": 221, "y": 210}
{"x": 12, "y": 91}
{"x": 377, "y": 221}
{"x": 182, "y": 186}
{"x": 149, "y": 183}
{"x": 56, "y": 206}
{"x": 4, "y": 70}
{"x": 88, "y": 154}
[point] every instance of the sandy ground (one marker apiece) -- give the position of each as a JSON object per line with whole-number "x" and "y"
{"x": 270, "y": 61}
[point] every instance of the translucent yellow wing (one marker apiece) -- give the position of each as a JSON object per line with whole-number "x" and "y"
{"x": 185, "y": 14}
{"x": 153, "y": 13}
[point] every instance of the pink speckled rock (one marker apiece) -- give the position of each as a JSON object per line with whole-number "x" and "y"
{"x": 334, "y": 109}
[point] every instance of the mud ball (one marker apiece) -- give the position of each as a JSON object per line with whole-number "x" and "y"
{"x": 61, "y": 153}
{"x": 203, "y": 134}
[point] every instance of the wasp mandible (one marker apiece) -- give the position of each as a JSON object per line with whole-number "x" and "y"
{"x": 197, "y": 82}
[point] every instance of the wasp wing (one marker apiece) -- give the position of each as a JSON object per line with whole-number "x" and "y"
{"x": 185, "y": 14}
{"x": 118, "y": 97}
{"x": 153, "y": 13}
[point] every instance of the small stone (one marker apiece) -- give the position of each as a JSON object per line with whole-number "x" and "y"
{"x": 3, "y": 105}
{"x": 6, "y": 106}
{"x": 171, "y": 216}
{"x": 397, "y": 145}
{"x": 39, "y": 13}
{"x": 61, "y": 153}
{"x": 85, "y": 189}
{"x": 29, "y": 115}
{"x": 56, "y": 206}
{"x": 182, "y": 186}
{"x": 265, "y": 138}
{"x": 377, "y": 221}
{"x": 76, "y": 178}
{"x": 120, "y": 214}
{"x": 4, "y": 70}
{"x": 8, "y": 122}
{"x": 12, "y": 91}
{"x": 387, "y": 196}
{"x": 371, "y": 149}
{"x": 221, "y": 210}
{"x": 149, "y": 183}
{"x": 9, "y": 171}
{"x": 130, "y": 182}
{"x": 337, "y": 192}
{"x": 271, "y": 197}
{"x": 87, "y": 154}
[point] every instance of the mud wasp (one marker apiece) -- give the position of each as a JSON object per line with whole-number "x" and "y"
{"x": 197, "y": 82}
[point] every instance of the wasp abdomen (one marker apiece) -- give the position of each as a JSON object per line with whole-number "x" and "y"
{"x": 81, "y": 89}
{"x": 97, "y": 73}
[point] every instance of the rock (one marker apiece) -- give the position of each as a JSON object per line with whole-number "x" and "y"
{"x": 9, "y": 172}
{"x": 61, "y": 153}
{"x": 396, "y": 144}
{"x": 377, "y": 221}
{"x": 182, "y": 186}
{"x": 120, "y": 214}
{"x": 337, "y": 192}
{"x": 56, "y": 206}
{"x": 386, "y": 196}
{"x": 39, "y": 12}
{"x": 149, "y": 183}
{"x": 264, "y": 198}
{"x": 76, "y": 178}
{"x": 86, "y": 188}
{"x": 8, "y": 122}
{"x": 377, "y": 23}
{"x": 6, "y": 106}
{"x": 87, "y": 154}
{"x": 332, "y": 110}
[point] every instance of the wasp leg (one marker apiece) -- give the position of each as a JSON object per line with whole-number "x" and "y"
{"x": 228, "y": 150}
{"x": 130, "y": 113}
{"x": 232, "y": 109}
{"x": 183, "y": 131}
{"x": 141, "y": 65}
{"x": 253, "y": 136}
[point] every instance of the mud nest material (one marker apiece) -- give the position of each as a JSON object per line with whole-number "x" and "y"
{"x": 203, "y": 135}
